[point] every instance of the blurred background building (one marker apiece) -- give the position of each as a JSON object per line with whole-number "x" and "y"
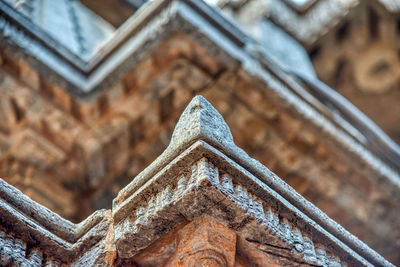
{"x": 90, "y": 92}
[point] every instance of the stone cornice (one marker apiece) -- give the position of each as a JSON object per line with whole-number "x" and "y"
{"x": 201, "y": 172}
{"x": 40, "y": 225}
{"x": 315, "y": 22}
{"x": 149, "y": 24}
{"x": 317, "y": 18}
{"x": 200, "y": 121}
{"x": 159, "y": 19}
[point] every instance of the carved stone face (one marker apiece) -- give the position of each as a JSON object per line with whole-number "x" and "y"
{"x": 205, "y": 258}
{"x": 204, "y": 243}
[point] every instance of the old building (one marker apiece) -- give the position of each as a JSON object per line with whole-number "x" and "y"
{"x": 202, "y": 202}
{"x": 89, "y": 101}
{"x": 354, "y": 46}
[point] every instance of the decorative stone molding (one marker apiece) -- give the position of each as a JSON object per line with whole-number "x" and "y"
{"x": 13, "y": 253}
{"x": 147, "y": 29}
{"x": 193, "y": 28}
{"x": 45, "y": 231}
{"x": 189, "y": 185}
{"x": 85, "y": 76}
{"x": 312, "y": 22}
{"x": 202, "y": 181}
{"x": 306, "y": 26}
{"x": 315, "y": 22}
{"x": 205, "y": 191}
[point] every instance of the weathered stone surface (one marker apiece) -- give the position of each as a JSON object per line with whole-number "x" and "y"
{"x": 359, "y": 58}
{"x": 217, "y": 187}
{"x": 204, "y": 243}
{"x": 183, "y": 48}
{"x": 142, "y": 217}
{"x": 270, "y": 147}
{"x": 44, "y": 232}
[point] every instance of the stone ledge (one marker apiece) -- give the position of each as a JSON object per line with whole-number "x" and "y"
{"x": 201, "y": 172}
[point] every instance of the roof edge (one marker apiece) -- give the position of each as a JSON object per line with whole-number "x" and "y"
{"x": 201, "y": 121}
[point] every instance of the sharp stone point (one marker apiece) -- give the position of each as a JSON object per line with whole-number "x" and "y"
{"x": 200, "y": 120}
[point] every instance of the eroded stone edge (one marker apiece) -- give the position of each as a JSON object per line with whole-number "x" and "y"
{"x": 192, "y": 194}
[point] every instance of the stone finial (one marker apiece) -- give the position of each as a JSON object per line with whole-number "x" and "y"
{"x": 200, "y": 120}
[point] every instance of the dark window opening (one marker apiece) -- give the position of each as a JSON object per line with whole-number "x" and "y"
{"x": 314, "y": 52}
{"x": 343, "y": 31}
{"x": 373, "y": 23}
{"x": 18, "y": 112}
{"x": 398, "y": 27}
